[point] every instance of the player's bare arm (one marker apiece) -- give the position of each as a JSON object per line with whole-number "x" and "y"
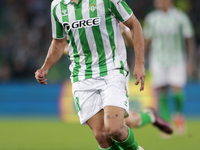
{"x": 190, "y": 47}
{"x": 138, "y": 42}
{"x": 127, "y": 35}
{"x": 55, "y": 52}
{"x": 147, "y": 44}
{"x": 66, "y": 49}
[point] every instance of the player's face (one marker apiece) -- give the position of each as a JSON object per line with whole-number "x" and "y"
{"x": 162, "y": 4}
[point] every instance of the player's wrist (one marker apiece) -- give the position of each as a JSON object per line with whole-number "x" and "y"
{"x": 45, "y": 68}
{"x": 140, "y": 62}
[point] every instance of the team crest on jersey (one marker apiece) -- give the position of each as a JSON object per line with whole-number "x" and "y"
{"x": 92, "y": 7}
{"x": 64, "y": 13}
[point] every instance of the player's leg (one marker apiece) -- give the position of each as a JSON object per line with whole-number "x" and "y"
{"x": 179, "y": 119}
{"x": 179, "y": 99}
{"x": 149, "y": 116}
{"x": 178, "y": 77}
{"x": 160, "y": 80}
{"x": 90, "y": 110}
{"x": 133, "y": 120}
{"x": 123, "y": 135}
{"x": 138, "y": 119}
{"x": 163, "y": 104}
{"x": 116, "y": 107}
{"x": 96, "y": 123}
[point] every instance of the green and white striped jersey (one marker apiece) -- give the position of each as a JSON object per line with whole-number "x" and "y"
{"x": 167, "y": 32}
{"x": 95, "y": 43}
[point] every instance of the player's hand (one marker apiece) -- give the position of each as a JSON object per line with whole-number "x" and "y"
{"x": 139, "y": 73}
{"x": 40, "y": 76}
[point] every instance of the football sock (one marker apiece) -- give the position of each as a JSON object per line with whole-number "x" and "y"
{"x": 179, "y": 101}
{"x": 164, "y": 108}
{"x": 130, "y": 142}
{"x": 145, "y": 119}
{"x": 114, "y": 146}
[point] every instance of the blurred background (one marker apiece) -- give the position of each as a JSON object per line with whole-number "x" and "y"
{"x": 34, "y": 116}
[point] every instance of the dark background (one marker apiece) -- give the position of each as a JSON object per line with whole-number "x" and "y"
{"x": 25, "y": 35}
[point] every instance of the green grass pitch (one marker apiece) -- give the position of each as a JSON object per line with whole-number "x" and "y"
{"x": 56, "y": 135}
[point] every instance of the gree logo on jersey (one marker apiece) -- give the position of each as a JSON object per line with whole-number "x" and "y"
{"x": 81, "y": 23}
{"x": 119, "y": 2}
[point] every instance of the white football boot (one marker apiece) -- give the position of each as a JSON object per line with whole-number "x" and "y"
{"x": 140, "y": 148}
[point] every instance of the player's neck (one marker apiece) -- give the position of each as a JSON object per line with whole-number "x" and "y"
{"x": 168, "y": 7}
{"x": 165, "y": 9}
{"x": 75, "y": 1}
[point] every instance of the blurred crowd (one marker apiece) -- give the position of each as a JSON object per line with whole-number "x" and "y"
{"x": 25, "y": 33}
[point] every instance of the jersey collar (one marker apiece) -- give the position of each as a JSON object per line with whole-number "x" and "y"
{"x": 67, "y": 2}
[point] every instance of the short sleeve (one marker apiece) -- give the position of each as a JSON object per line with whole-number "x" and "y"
{"x": 188, "y": 30}
{"x": 121, "y": 10}
{"x": 148, "y": 28}
{"x": 57, "y": 28}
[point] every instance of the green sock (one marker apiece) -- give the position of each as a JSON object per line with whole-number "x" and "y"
{"x": 114, "y": 146}
{"x": 130, "y": 143}
{"x": 145, "y": 119}
{"x": 164, "y": 108}
{"x": 179, "y": 101}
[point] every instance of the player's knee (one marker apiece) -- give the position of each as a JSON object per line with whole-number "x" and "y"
{"x": 100, "y": 136}
{"x": 114, "y": 132}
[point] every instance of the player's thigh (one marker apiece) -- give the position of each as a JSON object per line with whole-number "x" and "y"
{"x": 115, "y": 99}
{"x": 96, "y": 122}
{"x": 177, "y": 76}
{"x": 159, "y": 75}
{"x": 177, "y": 89}
{"x": 113, "y": 117}
{"x": 115, "y": 92}
{"x": 87, "y": 99}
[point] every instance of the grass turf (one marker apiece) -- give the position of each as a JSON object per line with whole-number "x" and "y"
{"x": 56, "y": 135}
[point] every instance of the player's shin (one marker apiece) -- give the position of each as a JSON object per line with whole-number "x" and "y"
{"x": 130, "y": 142}
{"x": 164, "y": 108}
{"x": 145, "y": 119}
{"x": 179, "y": 101}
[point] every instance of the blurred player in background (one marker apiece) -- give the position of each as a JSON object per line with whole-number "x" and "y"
{"x": 169, "y": 35}
{"x": 169, "y": 32}
{"x": 98, "y": 64}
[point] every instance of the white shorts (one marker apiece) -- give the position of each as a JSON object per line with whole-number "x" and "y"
{"x": 173, "y": 75}
{"x": 92, "y": 95}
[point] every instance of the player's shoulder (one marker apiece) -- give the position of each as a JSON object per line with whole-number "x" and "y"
{"x": 55, "y": 2}
{"x": 177, "y": 11}
{"x": 179, "y": 14}
{"x": 152, "y": 15}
